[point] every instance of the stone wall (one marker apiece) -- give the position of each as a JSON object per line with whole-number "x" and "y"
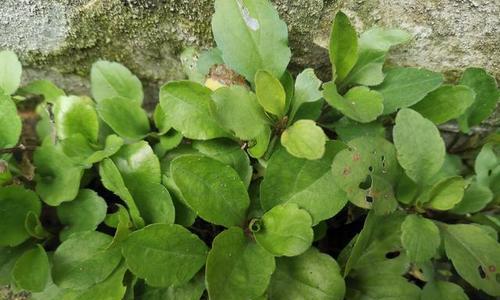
{"x": 60, "y": 39}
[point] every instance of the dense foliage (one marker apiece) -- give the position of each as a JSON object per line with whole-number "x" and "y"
{"x": 249, "y": 182}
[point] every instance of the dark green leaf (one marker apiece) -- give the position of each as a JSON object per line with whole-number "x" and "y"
{"x": 15, "y": 204}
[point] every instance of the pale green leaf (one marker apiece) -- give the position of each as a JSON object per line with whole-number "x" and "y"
{"x": 237, "y": 268}
{"x": 476, "y": 197}
{"x": 359, "y": 103}
{"x": 111, "y": 80}
{"x": 45, "y": 88}
{"x": 10, "y": 72}
{"x": 343, "y": 46}
{"x": 258, "y": 147}
{"x": 381, "y": 287}
{"x": 270, "y": 93}
{"x": 304, "y": 139}
{"x": 285, "y": 230}
{"x": 164, "y": 254}
{"x": 312, "y": 275}
{"x": 403, "y": 87}
{"x": 251, "y": 37}
{"x": 446, "y": 103}
{"x": 420, "y": 148}
{"x": 445, "y": 194}
{"x": 10, "y": 122}
{"x": 76, "y": 115}
{"x": 373, "y": 46}
{"x": 307, "y": 90}
{"x": 420, "y": 237}
{"x": 213, "y": 190}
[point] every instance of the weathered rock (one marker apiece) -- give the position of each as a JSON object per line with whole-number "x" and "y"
{"x": 60, "y": 39}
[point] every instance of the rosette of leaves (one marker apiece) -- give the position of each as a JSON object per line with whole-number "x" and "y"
{"x": 250, "y": 182}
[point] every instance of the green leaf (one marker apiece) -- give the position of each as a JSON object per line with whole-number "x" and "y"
{"x": 312, "y": 275}
{"x": 349, "y": 130}
{"x": 85, "y": 154}
{"x": 285, "y": 230}
{"x": 189, "y": 57}
{"x": 228, "y": 153}
{"x": 34, "y": 227}
{"x": 239, "y": 27}
{"x": 209, "y": 58}
{"x": 476, "y": 197}
{"x": 10, "y": 122}
{"x": 58, "y": 178}
{"x": 213, "y": 190}
{"x": 359, "y": 103}
{"x": 76, "y": 115}
{"x": 304, "y": 139}
{"x": 191, "y": 110}
{"x": 31, "y": 271}
{"x": 367, "y": 171}
{"x": 343, "y": 46}
{"x": 8, "y": 258}
{"x": 164, "y": 254}
{"x": 137, "y": 164}
{"x": 84, "y": 260}
{"x": 270, "y": 93}
{"x": 314, "y": 188}
{"x": 438, "y": 290}
{"x": 403, "y": 87}
{"x": 381, "y": 287}
{"x": 446, "y": 103}
{"x": 16, "y": 202}
{"x": 420, "y": 148}
{"x": 259, "y": 145}
{"x": 112, "y": 80}
{"x": 420, "y": 237}
{"x": 113, "y": 181}
{"x": 169, "y": 141}
{"x": 161, "y": 121}
{"x": 487, "y": 96}
{"x": 45, "y": 88}
{"x": 236, "y": 267}
{"x": 475, "y": 256}
{"x": 110, "y": 289}
{"x": 486, "y": 165}
{"x": 378, "y": 248}
{"x": 125, "y": 117}
{"x": 373, "y": 46}
{"x": 193, "y": 290}
{"x": 238, "y": 111}
{"x": 82, "y": 214}
{"x": 307, "y": 90}
{"x": 446, "y": 193}
{"x": 10, "y": 72}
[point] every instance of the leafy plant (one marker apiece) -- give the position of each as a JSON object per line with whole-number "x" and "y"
{"x": 251, "y": 182}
